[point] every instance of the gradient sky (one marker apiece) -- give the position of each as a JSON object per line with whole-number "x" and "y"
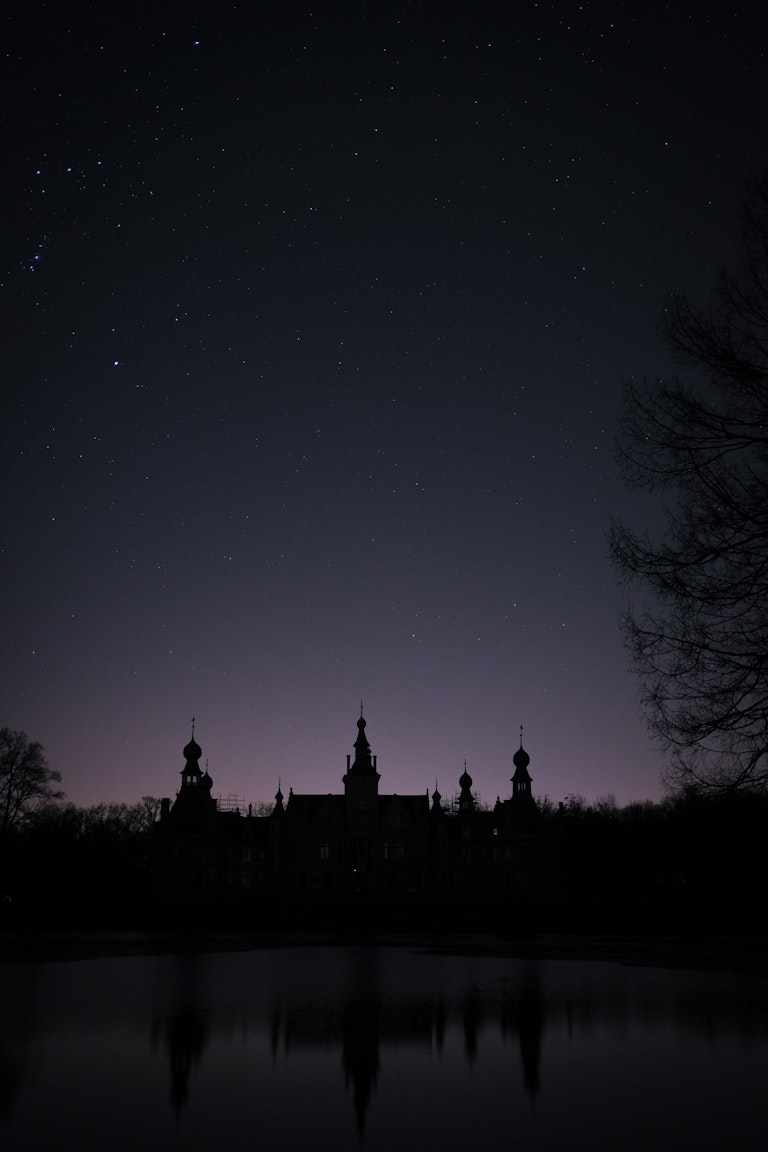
{"x": 316, "y": 323}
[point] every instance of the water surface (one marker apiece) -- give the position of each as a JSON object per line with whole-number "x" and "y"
{"x": 379, "y": 1046}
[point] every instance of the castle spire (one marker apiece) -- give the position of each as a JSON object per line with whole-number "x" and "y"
{"x": 361, "y": 776}
{"x": 521, "y": 780}
{"x": 190, "y": 773}
{"x": 363, "y": 761}
{"x": 466, "y": 799}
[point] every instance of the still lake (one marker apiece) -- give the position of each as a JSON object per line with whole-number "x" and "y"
{"x": 379, "y": 1046}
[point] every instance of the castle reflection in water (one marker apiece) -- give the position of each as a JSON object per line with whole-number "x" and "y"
{"x": 361, "y": 1027}
{"x": 198, "y": 1041}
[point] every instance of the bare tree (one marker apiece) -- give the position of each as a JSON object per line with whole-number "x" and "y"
{"x": 26, "y": 781}
{"x": 700, "y": 639}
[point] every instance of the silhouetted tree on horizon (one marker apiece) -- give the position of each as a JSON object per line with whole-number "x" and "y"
{"x": 26, "y": 781}
{"x": 700, "y": 640}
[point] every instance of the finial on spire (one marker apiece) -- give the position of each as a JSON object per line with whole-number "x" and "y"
{"x": 361, "y": 707}
{"x": 193, "y": 727}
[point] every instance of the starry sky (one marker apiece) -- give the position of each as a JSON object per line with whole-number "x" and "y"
{"x": 316, "y": 324}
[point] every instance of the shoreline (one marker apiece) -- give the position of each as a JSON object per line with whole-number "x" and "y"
{"x": 662, "y": 951}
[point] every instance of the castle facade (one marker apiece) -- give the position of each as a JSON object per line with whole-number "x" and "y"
{"x": 360, "y": 844}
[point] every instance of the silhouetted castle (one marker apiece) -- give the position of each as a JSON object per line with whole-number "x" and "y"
{"x": 360, "y": 844}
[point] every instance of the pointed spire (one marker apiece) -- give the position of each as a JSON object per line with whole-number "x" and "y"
{"x": 361, "y": 777}
{"x": 363, "y": 761}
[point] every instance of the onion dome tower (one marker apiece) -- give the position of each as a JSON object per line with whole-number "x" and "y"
{"x": 521, "y": 780}
{"x": 194, "y": 805}
{"x": 466, "y": 799}
{"x": 191, "y": 775}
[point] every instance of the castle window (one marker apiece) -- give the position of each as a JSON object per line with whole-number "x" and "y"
{"x": 325, "y": 852}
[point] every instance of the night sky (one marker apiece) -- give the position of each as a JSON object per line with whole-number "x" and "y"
{"x": 316, "y": 321}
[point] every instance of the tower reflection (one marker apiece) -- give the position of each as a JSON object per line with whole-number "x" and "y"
{"x": 364, "y": 1025}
